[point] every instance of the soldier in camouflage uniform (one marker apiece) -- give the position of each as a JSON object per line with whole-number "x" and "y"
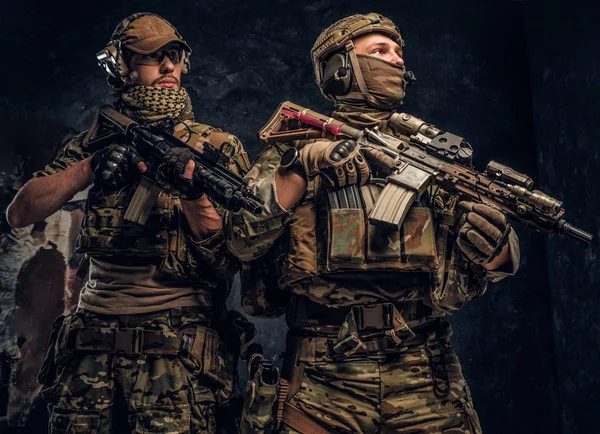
{"x": 141, "y": 353}
{"x": 368, "y": 349}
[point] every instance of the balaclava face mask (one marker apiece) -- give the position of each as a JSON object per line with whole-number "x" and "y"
{"x": 385, "y": 85}
{"x": 384, "y": 80}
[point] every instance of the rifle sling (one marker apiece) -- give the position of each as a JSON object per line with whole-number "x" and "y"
{"x": 295, "y": 419}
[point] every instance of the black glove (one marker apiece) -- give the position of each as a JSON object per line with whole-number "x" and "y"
{"x": 484, "y": 233}
{"x": 115, "y": 167}
{"x": 171, "y": 175}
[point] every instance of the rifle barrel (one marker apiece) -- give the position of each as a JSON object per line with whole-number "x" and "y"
{"x": 571, "y": 231}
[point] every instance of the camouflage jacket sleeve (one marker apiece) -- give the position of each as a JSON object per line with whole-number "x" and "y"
{"x": 511, "y": 267}
{"x": 73, "y": 153}
{"x": 249, "y": 236}
{"x": 463, "y": 280}
{"x": 213, "y": 251}
{"x": 466, "y": 281}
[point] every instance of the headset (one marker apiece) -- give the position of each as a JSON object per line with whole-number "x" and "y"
{"x": 111, "y": 58}
{"x": 337, "y": 73}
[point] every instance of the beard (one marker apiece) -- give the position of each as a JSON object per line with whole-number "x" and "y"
{"x": 171, "y": 77}
{"x": 134, "y": 79}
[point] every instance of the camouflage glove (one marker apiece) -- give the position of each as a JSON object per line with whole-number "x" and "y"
{"x": 171, "y": 178}
{"x": 341, "y": 163}
{"x": 484, "y": 233}
{"x": 115, "y": 167}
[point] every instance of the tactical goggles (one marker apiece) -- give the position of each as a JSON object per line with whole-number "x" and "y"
{"x": 173, "y": 52}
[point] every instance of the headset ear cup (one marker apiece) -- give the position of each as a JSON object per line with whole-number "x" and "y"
{"x": 122, "y": 67}
{"x": 112, "y": 61}
{"x": 337, "y": 75}
{"x": 185, "y": 62}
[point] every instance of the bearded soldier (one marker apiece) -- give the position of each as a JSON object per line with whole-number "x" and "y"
{"x": 369, "y": 344}
{"x": 141, "y": 352}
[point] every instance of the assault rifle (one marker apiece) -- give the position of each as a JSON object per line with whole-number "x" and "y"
{"x": 152, "y": 143}
{"x": 428, "y": 157}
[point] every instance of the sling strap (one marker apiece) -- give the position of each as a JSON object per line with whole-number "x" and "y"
{"x": 295, "y": 419}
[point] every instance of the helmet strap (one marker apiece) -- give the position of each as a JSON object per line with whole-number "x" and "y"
{"x": 356, "y": 67}
{"x": 363, "y": 94}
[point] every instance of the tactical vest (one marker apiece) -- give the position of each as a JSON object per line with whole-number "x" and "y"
{"x": 105, "y": 232}
{"x": 332, "y": 255}
{"x": 330, "y": 237}
{"x": 336, "y": 235}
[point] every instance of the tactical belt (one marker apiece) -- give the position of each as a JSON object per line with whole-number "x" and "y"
{"x": 131, "y": 260}
{"x": 304, "y": 312}
{"x": 128, "y": 341}
{"x": 326, "y": 349}
{"x": 315, "y": 349}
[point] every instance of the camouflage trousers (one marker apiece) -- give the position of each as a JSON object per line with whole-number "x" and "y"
{"x": 103, "y": 392}
{"x": 418, "y": 389}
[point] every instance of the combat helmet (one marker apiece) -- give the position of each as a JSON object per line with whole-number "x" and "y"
{"x": 142, "y": 33}
{"x": 334, "y": 57}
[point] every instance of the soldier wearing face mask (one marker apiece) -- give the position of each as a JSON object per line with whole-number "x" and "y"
{"x": 368, "y": 349}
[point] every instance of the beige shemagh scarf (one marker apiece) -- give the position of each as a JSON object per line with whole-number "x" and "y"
{"x": 149, "y": 104}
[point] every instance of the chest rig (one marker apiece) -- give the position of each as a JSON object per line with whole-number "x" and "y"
{"x": 105, "y": 231}
{"x": 336, "y": 256}
{"x": 330, "y": 233}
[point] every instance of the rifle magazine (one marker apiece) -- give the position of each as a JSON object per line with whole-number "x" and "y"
{"x": 392, "y": 206}
{"x": 142, "y": 202}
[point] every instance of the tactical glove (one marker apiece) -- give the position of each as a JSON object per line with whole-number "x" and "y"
{"x": 484, "y": 233}
{"x": 115, "y": 167}
{"x": 381, "y": 164}
{"x": 171, "y": 178}
{"x": 340, "y": 163}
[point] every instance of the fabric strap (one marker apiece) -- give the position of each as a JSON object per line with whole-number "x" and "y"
{"x": 130, "y": 341}
{"x": 295, "y": 419}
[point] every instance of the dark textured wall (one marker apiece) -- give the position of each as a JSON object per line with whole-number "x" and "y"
{"x": 516, "y": 78}
{"x": 563, "y": 49}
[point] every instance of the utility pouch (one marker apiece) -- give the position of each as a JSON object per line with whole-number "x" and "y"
{"x": 47, "y": 373}
{"x": 418, "y": 236}
{"x": 57, "y": 355}
{"x": 346, "y": 236}
{"x": 213, "y": 361}
{"x": 355, "y": 243}
{"x": 346, "y": 227}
